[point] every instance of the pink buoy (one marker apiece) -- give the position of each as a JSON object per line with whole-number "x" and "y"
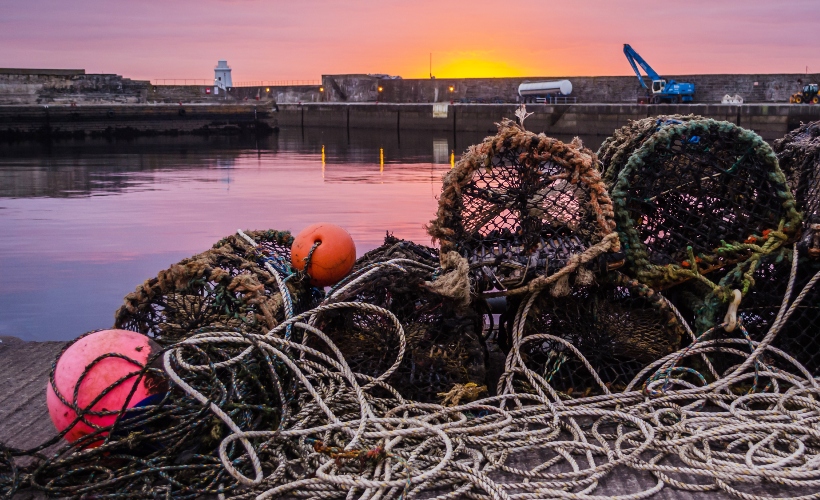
{"x": 103, "y": 374}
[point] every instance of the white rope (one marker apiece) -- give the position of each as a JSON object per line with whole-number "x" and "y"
{"x": 677, "y": 431}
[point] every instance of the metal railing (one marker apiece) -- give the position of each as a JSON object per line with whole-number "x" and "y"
{"x": 276, "y": 83}
{"x": 181, "y": 81}
{"x": 252, "y": 83}
{"x": 557, "y": 100}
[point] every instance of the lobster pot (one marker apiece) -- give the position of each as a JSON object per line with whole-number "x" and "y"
{"x": 226, "y": 287}
{"x": 800, "y": 335}
{"x": 618, "y": 147}
{"x": 799, "y": 155}
{"x": 693, "y": 196}
{"x": 443, "y": 343}
{"x": 619, "y": 327}
{"x": 519, "y": 206}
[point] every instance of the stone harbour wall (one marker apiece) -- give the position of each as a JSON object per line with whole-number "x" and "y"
{"x": 770, "y": 121}
{"x": 60, "y": 88}
{"x": 27, "y": 87}
{"x": 709, "y": 89}
{"x": 50, "y": 121}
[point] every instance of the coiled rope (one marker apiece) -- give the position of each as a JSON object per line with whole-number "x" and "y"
{"x": 689, "y": 434}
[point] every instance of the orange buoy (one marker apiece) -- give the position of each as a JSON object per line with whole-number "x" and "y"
{"x": 332, "y": 259}
{"x": 106, "y": 372}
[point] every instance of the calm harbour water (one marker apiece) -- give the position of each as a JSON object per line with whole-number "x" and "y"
{"x": 82, "y": 223}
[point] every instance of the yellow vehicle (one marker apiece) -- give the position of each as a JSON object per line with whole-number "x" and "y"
{"x": 809, "y": 95}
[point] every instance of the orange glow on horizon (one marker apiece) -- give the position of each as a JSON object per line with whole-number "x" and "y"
{"x": 475, "y": 67}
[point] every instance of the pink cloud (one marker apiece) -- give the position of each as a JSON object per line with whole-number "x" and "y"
{"x": 301, "y": 40}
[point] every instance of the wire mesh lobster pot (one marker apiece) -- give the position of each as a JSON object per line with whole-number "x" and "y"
{"x": 800, "y": 335}
{"x": 799, "y": 156}
{"x": 522, "y": 209}
{"x": 519, "y": 206}
{"x": 444, "y": 347}
{"x": 228, "y": 287}
{"x": 693, "y": 196}
{"x": 618, "y": 326}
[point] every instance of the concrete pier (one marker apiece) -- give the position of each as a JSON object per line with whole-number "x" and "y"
{"x": 771, "y": 121}
{"x": 25, "y": 122}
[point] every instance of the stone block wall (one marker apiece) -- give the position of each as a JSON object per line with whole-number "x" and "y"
{"x": 352, "y": 88}
{"x": 28, "y": 87}
{"x": 57, "y": 87}
{"x": 709, "y": 89}
{"x": 21, "y": 122}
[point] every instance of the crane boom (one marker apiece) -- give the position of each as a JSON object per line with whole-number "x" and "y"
{"x": 633, "y": 58}
{"x": 661, "y": 90}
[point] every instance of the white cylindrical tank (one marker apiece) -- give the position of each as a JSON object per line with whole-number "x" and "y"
{"x": 563, "y": 87}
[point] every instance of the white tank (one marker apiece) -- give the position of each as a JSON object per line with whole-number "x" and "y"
{"x": 563, "y": 87}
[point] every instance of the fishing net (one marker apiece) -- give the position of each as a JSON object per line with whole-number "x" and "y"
{"x": 445, "y": 349}
{"x": 696, "y": 199}
{"x": 228, "y": 286}
{"x": 526, "y": 211}
{"x": 617, "y": 148}
{"x": 800, "y": 337}
{"x": 618, "y": 326}
{"x": 799, "y": 155}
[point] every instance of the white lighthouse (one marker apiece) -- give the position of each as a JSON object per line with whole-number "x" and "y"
{"x": 222, "y": 75}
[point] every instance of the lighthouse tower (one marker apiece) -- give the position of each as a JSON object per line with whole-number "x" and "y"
{"x": 222, "y": 75}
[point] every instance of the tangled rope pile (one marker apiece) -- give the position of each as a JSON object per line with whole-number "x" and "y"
{"x": 316, "y": 404}
{"x": 320, "y": 432}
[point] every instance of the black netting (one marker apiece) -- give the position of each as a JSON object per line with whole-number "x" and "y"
{"x": 799, "y": 155}
{"x": 520, "y": 205}
{"x": 618, "y": 326}
{"x": 444, "y": 344}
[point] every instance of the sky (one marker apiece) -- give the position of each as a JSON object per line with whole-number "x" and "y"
{"x": 303, "y": 39}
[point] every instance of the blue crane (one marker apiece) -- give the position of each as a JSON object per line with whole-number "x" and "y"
{"x": 662, "y": 91}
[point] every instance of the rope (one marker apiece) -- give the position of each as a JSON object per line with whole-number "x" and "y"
{"x": 345, "y": 440}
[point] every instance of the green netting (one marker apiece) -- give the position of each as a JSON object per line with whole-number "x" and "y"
{"x": 696, "y": 196}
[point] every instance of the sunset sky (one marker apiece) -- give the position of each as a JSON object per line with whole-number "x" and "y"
{"x": 303, "y": 39}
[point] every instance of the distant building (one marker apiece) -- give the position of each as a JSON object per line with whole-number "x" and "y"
{"x": 222, "y": 75}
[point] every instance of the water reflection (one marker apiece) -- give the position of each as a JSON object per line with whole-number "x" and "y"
{"x": 441, "y": 151}
{"x": 84, "y": 222}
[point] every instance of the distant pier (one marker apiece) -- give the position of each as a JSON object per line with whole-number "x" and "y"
{"x": 771, "y": 121}
{"x": 131, "y": 120}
